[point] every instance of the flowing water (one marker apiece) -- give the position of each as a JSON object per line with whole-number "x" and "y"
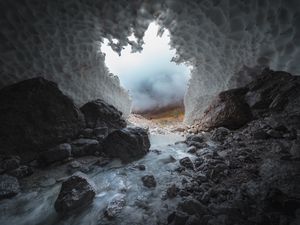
{"x": 35, "y": 204}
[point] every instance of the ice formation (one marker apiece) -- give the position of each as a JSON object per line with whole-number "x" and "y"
{"x": 219, "y": 38}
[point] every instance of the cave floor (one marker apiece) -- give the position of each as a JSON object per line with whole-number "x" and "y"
{"x": 114, "y": 181}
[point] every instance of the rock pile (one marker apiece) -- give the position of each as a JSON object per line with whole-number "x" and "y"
{"x": 247, "y": 174}
{"x": 40, "y": 126}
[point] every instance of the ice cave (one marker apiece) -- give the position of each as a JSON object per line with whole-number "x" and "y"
{"x": 149, "y": 112}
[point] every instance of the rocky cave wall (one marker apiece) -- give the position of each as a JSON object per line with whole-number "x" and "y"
{"x": 226, "y": 42}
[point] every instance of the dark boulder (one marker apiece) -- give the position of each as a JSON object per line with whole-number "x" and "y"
{"x": 21, "y": 171}
{"x": 274, "y": 91}
{"x": 100, "y": 114}
{"x": 9, "y": 163}
{"x": 128, "y": 144}
{"x": 115, "y": 206}
{"x": 85, "y": 146}
{"x": 228, "y": 109}
{"x": 192, "y": 207}
{"x": 76, "y": 192}
{"x": 187, "y": 163}
{"x": 35, "y": 114}
{"x": 57, "y": 153}
{"x": 220, "y": 134}
{"x": 9, "y": 186}
{"x": 149, "y": 181}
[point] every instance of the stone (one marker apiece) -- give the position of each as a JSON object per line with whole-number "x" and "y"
{"x": 76, "y": 192}
{"x": 172, "y": 191}
{"x": 220, "y": 134}
{"x": 35, "y": 114}
{"x": 178, "y": 218}
{"x": 201, "y": 178}
{"x": 140, "y": 167}
{"x": 10, "y": 163}
{"x": 192, "y": 207}
{"x": 115, "y": 206}
{"x": 295, "y": 149}
{"x": 127, "y": 144}
{"x": 58, "y": 153}
{"x": 9, "y": 186}
{"x": 101, "y": 132}
{"x": 187, "y": 163}
{"x": 274, "y": 133}
{"x": 196, "y": 144}
{"x": 149, "y": 181}
{"x": 260, "y": 135}
{"x": 47, "y": 181}
{"x": 193, "y": 220}
{"x": 192, "y": 150}
{"x": 273, "y": 91}
{"x": 196, "y": 138}
{"x": 228, "y": 109}
{"x": 21, "y": 172}
{"x": 75, "y": 164}
{"x": 98, "y": 113}
{"x": 168, "y": 159}
{"x": 84, "y": 147}
{"x": 87, "y": 133}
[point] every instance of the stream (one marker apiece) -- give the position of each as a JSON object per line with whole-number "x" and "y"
{"x": 142, "y": 205}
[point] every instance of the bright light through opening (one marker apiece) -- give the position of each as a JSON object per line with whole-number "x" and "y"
{"x": 150, "y": 76}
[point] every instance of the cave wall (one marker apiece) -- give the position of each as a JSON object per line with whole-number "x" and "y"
{"x": 229, "y": 41}
{"x": 59, "y": 40}
{"x": 225, "y": 41}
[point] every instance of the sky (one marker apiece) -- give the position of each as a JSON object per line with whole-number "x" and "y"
{"x": 152, "y": 79}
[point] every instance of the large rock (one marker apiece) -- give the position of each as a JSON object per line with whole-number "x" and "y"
{"x": 274, "y": 91}
{"x": 85, "y": 146}
{"x": 9, "y": 186}
{"x": 76, "y": 192}
{"x": 58, "y": 153}
{"x": 128, "y": 144}
{"x": 35, "y": 114}
{"x": 228, "y": 109}
{"x": 100, "y": 114}
{"x": 115, "y": 206}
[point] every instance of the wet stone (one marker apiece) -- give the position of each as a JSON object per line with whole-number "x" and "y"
{"x": 187, "y": 163}
{"x": 58, "y": 153}
{"x": 76, "y": 192}
{"x": 192, "y": 150}
{"x": 84, "y": 147}
{"x": 149, "y": 181}
{"x": 9, "y": 186}
{"x": 140, "y": 167}
{"x": 172, "y": 191}
{"x": 115, "y": 206}
{"x": 10, "y": 163}
{"x": 21, "y": 171}
{"x": 87, "y": 133}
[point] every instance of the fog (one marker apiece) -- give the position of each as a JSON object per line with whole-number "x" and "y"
{"x": 152, "y": 79}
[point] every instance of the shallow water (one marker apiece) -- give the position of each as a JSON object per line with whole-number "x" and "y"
{"x": 35, "y": 205}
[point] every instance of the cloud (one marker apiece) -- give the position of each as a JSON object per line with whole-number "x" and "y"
{"x": 150, "y": 76}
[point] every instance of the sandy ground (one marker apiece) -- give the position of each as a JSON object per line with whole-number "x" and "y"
{"x": 157, "y": 126}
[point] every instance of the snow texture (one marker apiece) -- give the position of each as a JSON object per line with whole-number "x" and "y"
{"x": 219, "y": 38}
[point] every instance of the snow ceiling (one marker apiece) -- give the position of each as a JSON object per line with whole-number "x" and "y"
{"x": 225, "y": 41}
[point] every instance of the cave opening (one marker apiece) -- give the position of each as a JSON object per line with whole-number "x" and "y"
{"x": 155, "y": 82}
